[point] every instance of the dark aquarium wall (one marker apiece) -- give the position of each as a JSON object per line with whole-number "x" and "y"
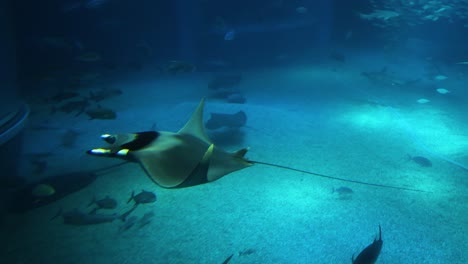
{"x": 247, "y": 131}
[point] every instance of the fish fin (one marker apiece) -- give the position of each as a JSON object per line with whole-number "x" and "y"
{"x": 194, "y": 125}
{"x": 131, "y": 197}
{"x": 124, "y": 216}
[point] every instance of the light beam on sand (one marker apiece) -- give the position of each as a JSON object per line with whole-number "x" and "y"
{"x": 432, "y": 130}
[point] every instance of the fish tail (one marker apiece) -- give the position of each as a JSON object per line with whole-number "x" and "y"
{"x": 333, "y": 190}
{"x": 131, "y": 197}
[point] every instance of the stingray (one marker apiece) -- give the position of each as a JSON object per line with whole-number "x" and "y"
{"x": 187, "y": 157}
{"x": 219, "y": 120}
{"x": 180, "y": 159}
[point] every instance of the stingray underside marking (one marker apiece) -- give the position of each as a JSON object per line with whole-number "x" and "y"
{"x": 172, "y": 160}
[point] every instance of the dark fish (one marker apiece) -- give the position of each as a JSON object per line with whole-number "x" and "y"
{"x": 218, "y": 120}
{"x": 176, "y": 67}
{"x": 143, "y": 197}
{"x": 101, "y": 113}
{"x": 61, "y": 96}
{"x": 69, "y": 138}
{"x": 77, "y": 217}
{"x": 104, "y": 203}
{"x": 247, "y": 252}
{"x": 103, "y": 94}
{"x": 422, "y": 161}
{"x": 370, "y": 254}
{"x": 72, "y": 106}
{"x": 344, "y": 193}
{"x": 342, "y": 190}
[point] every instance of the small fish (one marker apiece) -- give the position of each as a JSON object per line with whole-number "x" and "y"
{"x": 442, "y": 91}
{"x": 302, "y": 10}
{"x": 103, "y": 94}
{"x": 72, "y": 106}
{"x": 43, "y": 190}
{"x": 62, "y": 96}
{"x": 176, "y": 67}
{"x": 230, "y": 35}
{"x": 246, "y": 252}
{"x": 143, "y": 197}
{"x": 69, "y": 138}
{"x": 440, "y": 77}
{"x": 422, "y": 161}
{"x": 370, "y": 254}
{"x": 423, "y": 101}
{"x": 344, "y": 193}
{"x": 101, "y": 113}
{"x": 342, "y": 190}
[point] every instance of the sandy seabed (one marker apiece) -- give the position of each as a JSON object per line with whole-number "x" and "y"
{"x": 327, "y": 124}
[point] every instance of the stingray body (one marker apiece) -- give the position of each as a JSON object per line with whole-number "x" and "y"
{"x": 219, "y": 120}
{"x": 175, "y": 159}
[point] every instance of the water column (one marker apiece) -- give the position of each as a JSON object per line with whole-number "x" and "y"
{"x": 188, "y": 20}
{"x": 13, "y": 112}
{"x": 325, "y": 22}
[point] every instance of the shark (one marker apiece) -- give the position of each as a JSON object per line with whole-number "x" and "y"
{"x": 188, "y": 157}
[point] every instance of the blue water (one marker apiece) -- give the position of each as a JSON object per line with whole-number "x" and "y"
{"x": 324, "y": 91}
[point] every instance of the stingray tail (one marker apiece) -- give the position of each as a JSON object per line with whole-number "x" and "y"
{"x": 335, "y": 178}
